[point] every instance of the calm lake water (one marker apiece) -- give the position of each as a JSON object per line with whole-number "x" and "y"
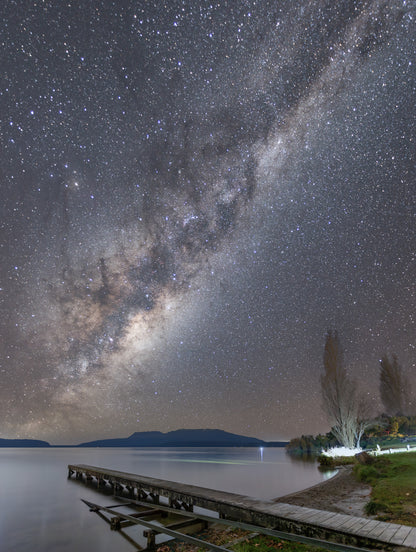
{"x": 41, "y": 510}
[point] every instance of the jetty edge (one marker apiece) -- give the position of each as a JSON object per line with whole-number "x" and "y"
{"x": 295, "y": 520}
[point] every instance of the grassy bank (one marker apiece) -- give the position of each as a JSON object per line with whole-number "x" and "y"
{"x": 266, "y": 544}
{"x": 393, "y": 479}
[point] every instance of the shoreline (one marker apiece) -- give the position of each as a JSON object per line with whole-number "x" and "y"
{"x": 342, "y": 494}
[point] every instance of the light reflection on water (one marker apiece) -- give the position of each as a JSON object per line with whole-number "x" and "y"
{"x": 41, "y": 509}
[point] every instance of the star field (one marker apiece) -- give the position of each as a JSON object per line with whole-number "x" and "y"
{"x": 192, "y": 195}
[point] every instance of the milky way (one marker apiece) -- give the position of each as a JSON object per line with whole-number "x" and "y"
{"x": 192, "y": 195}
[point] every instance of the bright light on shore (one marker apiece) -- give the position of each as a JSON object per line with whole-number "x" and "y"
{"x": 341, "y": 451}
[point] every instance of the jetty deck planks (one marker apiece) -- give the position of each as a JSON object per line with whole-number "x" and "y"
{"x": 286, "y": 517}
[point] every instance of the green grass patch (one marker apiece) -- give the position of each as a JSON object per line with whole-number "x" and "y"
{"x": 371, "y": 473}
{"x": 267, "y": 544}
{"x": 393, "y": 481}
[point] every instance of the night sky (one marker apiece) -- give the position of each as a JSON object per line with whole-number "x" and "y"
{"x": 193, "y": 193}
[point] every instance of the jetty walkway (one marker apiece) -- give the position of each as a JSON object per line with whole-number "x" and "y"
{"x": 291, "y": 519}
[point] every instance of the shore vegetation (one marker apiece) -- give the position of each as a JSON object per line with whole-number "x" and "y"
{"x": 385, "y": 431}
{"x": 393, "y": 482}
{"x": 266, "y": 544}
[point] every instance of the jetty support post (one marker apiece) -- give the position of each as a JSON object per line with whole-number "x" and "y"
{"x": 151, "y": 539}
{"x": 115, "y": 523}
{"x": 155, "y": 498}
{"x": 117, "y": 488}
{"x": 130, "y": 490}
{"x": 146, "y": 496}
{"x": 179, "y": 504}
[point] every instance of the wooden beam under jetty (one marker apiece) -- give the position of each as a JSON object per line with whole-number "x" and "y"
{"x": 299, "y": 523}
{"x": 155, "y": 528}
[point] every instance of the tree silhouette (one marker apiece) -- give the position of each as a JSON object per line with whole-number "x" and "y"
{"x": 345, "y": 410}
{"x": 393, "y": 387}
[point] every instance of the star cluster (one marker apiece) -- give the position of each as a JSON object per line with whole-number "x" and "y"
{"x": 193, "y": 193}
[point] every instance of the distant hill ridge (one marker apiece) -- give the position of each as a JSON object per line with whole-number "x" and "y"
{"x": 177, "y": 438}
{"x": 183, "y": 438}
{"x": 23, "y": 443}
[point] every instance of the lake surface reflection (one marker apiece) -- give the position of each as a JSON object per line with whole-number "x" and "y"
{"x": 41, "y": 509}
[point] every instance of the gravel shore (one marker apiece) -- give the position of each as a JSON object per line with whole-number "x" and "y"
{"x": 342, "y": 494}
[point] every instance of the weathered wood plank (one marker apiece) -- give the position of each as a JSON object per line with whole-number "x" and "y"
{"x": 319, "y": 518}
{"x": 281, "y": 509}
{"x": 378, "y": 530}
{"x": 388, "y": 532}
{"x": 309, "y": 514}
{"x": 400, "y": 535}
{"x": 337, "y": 521}
{"x": 349, "y": 522}
{"x": 372, "y": 526}
{"x": 410, "y": 540}
{"x": 358, "y": 525}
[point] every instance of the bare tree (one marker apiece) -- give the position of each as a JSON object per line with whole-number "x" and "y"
{"x": 363, "y": 419}
{"x": 345, "y": 410}
{"x": 393, "y": 386}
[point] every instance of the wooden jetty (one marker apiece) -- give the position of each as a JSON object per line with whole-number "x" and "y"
{"x": 295, "y": 522}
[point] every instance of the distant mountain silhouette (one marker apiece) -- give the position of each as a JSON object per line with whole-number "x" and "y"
{"x": 23, "y": 443}
{"x": 183, "y": 438}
